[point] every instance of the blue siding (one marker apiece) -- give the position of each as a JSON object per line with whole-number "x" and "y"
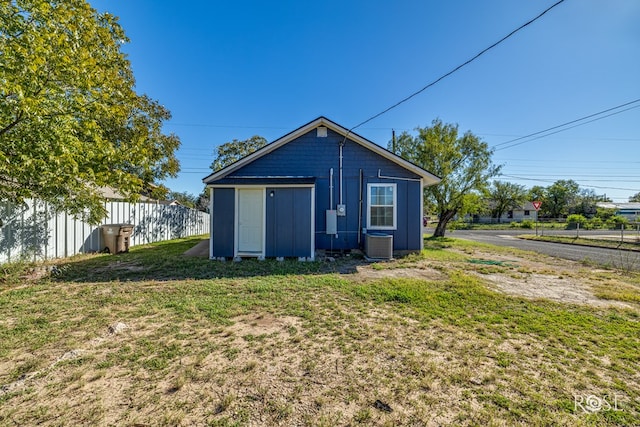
{"x": 414, "y": 216}
{"x": 309, "y": 155}
{"x": 288, "y": 222}
{"x": 223, "y": 219}
{"x": 408, "y": 234}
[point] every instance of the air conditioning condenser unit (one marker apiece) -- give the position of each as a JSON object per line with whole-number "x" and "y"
{"x": 379, "y": 246}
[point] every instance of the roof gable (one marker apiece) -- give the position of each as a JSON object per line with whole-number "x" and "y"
{"x": 428, "y": 177}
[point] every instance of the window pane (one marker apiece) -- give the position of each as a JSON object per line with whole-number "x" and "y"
{"x": 381, "y": 205}
{"x": 382, "y": 196}
{"x": 382, "y": 216}
{"x": 377, "y": 196}
{"x": 388, "y": 196}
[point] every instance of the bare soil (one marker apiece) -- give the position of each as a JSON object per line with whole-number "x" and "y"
{"x": 561, "y": 281}
{"x": 372, "y": 365}
{"x": 534, "y": 284}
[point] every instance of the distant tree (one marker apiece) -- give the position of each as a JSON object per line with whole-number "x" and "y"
{"x": 635, "y": 198}
{"x": 202, "y": 202}
{"x": 537, "y": 193}
{"x": 505, "y": 196}
{"x": 586, "y": 203}
{"x": 70, "y": 118}
{"x": 560, "y": 196}
{"x": 231, "y": 152}
{"x": 463, "y": 163}
{"x": 184, "y": 198}
{"x": 605, "y": 214}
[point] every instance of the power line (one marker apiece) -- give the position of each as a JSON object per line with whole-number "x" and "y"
{"x": 568, "y": 123}
{"x": 582, "y": 138}
{"x": 526, "y": 169}
{"x": 613, "y": 177}
{"x": 552, "y": 181}
{"x": 564, "y": 162}
{"x": 402, "y": 101}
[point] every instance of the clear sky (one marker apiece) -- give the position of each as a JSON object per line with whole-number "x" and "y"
{"x": 233, "y": 69}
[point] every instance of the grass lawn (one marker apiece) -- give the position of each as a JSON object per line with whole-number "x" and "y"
{"x": 155, "y": 338}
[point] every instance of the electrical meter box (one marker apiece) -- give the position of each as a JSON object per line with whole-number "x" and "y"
{"x": 332, "y": 222}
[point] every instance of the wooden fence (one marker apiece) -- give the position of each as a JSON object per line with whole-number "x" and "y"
{"x": 33, "y": 231}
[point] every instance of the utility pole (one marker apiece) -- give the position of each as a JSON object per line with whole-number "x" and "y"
{"x": 393, "y": 141}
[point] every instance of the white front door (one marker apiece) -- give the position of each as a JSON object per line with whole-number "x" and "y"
{"x": 250, "y": 220}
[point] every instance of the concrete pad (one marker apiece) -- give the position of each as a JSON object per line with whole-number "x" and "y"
{"x": 200, "y": 250}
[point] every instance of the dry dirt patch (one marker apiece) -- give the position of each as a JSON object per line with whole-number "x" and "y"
{"x": 258, "y": 324}
{"x": 565, "y": 290}
{"x": 70, "y": 355}
{"x": 271, "y": 371}
{"x": 367, "y": 273}
{"x": 557, "y": 280}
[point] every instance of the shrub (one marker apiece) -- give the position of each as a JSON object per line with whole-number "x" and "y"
{"x": 574, "y": 219}
{"x": 605, "y": 213}
{"x": 596, "y": 222}
{"x": 527, "y": 223}
{"x": 616, "y": 221}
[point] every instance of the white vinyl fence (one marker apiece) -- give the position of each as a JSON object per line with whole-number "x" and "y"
{"x": 33, "y": 231}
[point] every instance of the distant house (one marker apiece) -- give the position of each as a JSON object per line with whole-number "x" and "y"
{"x": 170, "y": 202}
{"x": 110, "y": 193}
{"x": 519, "y": 214}
{"x": 320, "y": 187}
{"x": 631, "y": 211}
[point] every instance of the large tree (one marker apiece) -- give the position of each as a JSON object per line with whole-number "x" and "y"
{"x": 70, "y": 118}
{"x": 586, "y": 203}
{"x": 463, "y": 163}
{"x": 231, "y": 152}
{"x": 538, "y": 193}
{"x": 560, "y": 197}
{"x": 505, "y": 196}
{"x": 635, "y": 198}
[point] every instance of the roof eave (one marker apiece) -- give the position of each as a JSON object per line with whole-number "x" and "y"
{"x": 427, "y": 177}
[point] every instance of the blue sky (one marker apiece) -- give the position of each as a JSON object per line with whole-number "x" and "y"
{"x": 234, "y": 69}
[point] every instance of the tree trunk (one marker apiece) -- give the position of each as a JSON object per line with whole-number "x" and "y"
{"x": 445, "y": 217}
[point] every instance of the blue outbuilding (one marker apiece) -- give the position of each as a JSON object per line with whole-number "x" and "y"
{"x": 319, "y": 187}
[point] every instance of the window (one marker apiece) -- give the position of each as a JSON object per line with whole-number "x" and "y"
{"x": 381, "y": 214}
{"x": 527, "y": 213}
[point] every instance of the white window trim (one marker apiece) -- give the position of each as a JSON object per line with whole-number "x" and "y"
{"x": 395, "y": 206}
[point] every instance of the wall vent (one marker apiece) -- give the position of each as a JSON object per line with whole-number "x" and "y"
{"x": 379, "y": 246}
{"x": 322, "y": 132}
